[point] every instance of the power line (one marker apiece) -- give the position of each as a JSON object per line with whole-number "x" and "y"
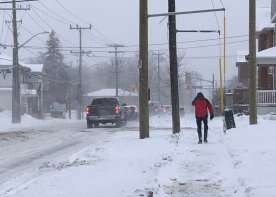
{"x": 107, "y": 40}
{"x": 42, "y": 19}
{"x": 216, "y": 16}
{"x": 37, "y": 23}
{"x": 18, "y": 1}
{"x": 54, "y": 13}
{"x": 135, "y": 51}
{"x": 222, "y": 4}
{"x": 50, "y": 26}
{"x": 51, "y": 16}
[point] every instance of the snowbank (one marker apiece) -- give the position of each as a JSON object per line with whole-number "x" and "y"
{"x": 27, "y": 122}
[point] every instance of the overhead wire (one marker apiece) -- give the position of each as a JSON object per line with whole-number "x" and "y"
{"x": 155, "y": 44}
{"x": 132, "y": 51}
{"x": 54, "y": 13}
{"x": 50, "y": 26}
{"x": 215, "y": 14}
{"x": 105, "y": 38}
{"x": 42, "y": 19}
{"x": 49, "y": 15}
{"x": 36, "y": 22}
{"x": 222, "y": 4}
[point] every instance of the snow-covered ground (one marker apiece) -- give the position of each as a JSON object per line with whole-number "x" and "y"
{"x": 69, "y": 160}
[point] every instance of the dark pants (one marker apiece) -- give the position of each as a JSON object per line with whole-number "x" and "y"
{"x": 199, "y": 123}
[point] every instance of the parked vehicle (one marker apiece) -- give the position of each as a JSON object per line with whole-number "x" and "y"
{"x": 58, "y": 110}
{"x": 131, "y": 112}
{"x": 105, "y": 110}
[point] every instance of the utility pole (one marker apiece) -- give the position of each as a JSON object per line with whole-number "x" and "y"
{"x": 16, "y": 111}
{"x": 143, "y": 71}
{"x": 158, "y": 54}
{"x": 252, "y": 63}
{"x": 173, "y": 68}
{"x": 16, "y": 95}
{"x": 116, "y": 46}
{"x": 80, "y": 93}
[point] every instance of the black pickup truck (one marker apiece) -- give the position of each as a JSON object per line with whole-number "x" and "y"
{"x": 103, "y": 111}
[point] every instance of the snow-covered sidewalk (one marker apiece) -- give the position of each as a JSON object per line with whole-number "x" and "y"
{"x": 240, "y": 163}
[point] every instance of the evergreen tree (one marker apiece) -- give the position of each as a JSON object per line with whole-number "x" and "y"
{"x": 54, "y": 72}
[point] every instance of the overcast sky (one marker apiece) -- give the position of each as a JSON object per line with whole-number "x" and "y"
{"x": 117, "y": 21}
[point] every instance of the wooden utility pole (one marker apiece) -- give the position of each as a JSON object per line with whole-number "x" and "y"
{"x": 252, "y": 63}
{"x": 173, "y": 68}
{"x": 80, "y": 93}
{"x": 116, "y": 46}
{"x": 143, "y": 71}
{"x": 16, "y": 111}
{"x": 16, "y": 95}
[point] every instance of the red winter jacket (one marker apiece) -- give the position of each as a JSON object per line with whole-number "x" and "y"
{"x": 202, "y": 106}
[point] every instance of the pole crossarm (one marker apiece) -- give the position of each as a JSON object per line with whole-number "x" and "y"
{"x": 77, "y": 27}
{"x": 115, "y": 52}
{"x": 19, "y": 9}
{"x": 83, "y": 52}
{"x": 197, "y": 31}
{"x": 187, "y": 12}
{"x": 18, "y": 1}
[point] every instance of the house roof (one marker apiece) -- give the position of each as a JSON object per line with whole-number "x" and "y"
{"x": 267, "y": 56}
{"x": 7, "y": 61}
{"x": 111, "y": 93}
{"x": 35, "y": 67}
{"x": 264, "y": 57}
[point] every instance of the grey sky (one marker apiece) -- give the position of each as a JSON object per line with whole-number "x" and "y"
{"x": 118, "y": 21}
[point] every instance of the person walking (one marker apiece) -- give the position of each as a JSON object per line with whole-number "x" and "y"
{"x": 202, "y": 106}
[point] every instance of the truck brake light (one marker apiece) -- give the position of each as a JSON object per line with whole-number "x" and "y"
{"x": 117, "y": 109}
{"x": 88, "y": 110}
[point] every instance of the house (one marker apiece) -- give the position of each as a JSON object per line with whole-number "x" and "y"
{"x": 35, "y": 90}
{"x": 31, "y": 85}
{"x": 266, "y": 62}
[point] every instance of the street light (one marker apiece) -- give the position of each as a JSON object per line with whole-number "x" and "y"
{"x": 27, "y": 41}
{"x": 16, "y": 114}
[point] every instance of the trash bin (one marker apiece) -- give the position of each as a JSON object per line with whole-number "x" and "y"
{"x": 229, "y": 119}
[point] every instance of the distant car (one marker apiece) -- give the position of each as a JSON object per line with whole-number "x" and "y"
{"x": 131, "y": 112}
{"x": 154, "y": 107}
{"x": 58, "y": 110}
{"x": 105, "y": 110}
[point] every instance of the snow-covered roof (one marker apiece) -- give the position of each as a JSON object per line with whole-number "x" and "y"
{"x": 35, "y": 67}
{"x": 7, "y": 61}
{"x": 263, "y": 19}
{"x": 110, "y": 93}
{"x": 267, "y": 56}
